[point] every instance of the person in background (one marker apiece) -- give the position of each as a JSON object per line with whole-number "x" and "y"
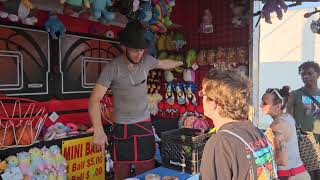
{"x": 283, "y": 135}
{"x": 238, "y": 150}
{"x": 302, "y": 107}
{"x": 126, "y": 76}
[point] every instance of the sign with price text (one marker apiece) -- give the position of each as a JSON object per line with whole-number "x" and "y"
{"x": 85, "y": 162}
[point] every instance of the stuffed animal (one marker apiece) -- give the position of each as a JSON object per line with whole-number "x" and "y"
{"x": 206, "y": 23}
{"x": 189, "y": 75}
{"x": 169, "y": 96}
{"x": 12, "y": 162}
{"x": 24, "y": 162}
{"x": 54, "y": 26}
{"x": 181, "y": 97}
{"x": 211, "y": 57}
{"x": 191, "y": 57}
{"x": 17, "y": 10}
{"x": 56, "y": 131}
{"x": 109, "y": 162}
{"x": 48, "y": 159}
{"x": 40, "y": 176}
{"x": 155, "y": 22}
{"x": 145, "y": 11}
{"x": 179, "y": 41}
{"x": 202, "y": 58}
{"x": 151, "y": 38}
{"x": 37, "y": 164}
{"x": 189, "y": 89}
{"x": 100, "y": 10}
{"x": 153, "y": 100}
{"x": 60, "y": 161}
{"x": 240, "y": 9}
{"x": 273, "y": 6}
{"x": 80, "y": 6}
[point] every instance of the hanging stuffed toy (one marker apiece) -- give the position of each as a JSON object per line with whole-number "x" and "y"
{"x": 153, "y": 101}
{"x": 189, "y": 75}
{"x": 240, "y": 9}
{"x": 76, "y": 8}
{"x": 181, "y": 98}
{"x": 155, "y": 22}
{"x": 273, "y": 6}
{"x": 17, "y": 10}
{"x": 191, "y": 57}
{"x": 169, "y": 96}
{"x": 109, "y": 162}
{"x": 179, "y": 40}
{"x": 54, "y": 26}
{"x": 145, "y": 11}
{"x": 151, "y": 39}
{"x": 99, "y": 9}
{"x": 189, "y": 89}
{"x": 206, "y": 22}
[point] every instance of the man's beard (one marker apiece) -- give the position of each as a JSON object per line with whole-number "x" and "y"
{"x": 129, "y": 58}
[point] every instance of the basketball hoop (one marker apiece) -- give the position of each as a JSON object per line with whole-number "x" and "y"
{"x": 21, "y": 121}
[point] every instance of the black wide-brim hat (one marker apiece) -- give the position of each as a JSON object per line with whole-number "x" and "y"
{"x": 132, "y": 36}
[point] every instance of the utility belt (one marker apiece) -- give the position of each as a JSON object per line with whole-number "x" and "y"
{"x": 133, "y": 142}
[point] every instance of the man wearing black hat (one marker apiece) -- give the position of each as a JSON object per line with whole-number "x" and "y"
{"x": 126, "y": 75}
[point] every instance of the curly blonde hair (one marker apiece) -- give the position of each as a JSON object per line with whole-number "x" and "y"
{"x": 230, "y": 90}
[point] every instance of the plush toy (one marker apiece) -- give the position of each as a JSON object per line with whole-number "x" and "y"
{"x": 19, "y": 10}
{"x": 202, "y": 58}
{"x": 109, "y": 162}
{"x": 37, "y": 164}
{"x": 12, "y": 162}
{"x": 206, "y": 23}
{"x": 315, "y": 26}
{"x": 191, "y": 57}
{"x": 169, "y": 43}
{"x": 168, "y": 76}
{"x": 161, "y": 44}
{"x": 153, "y": 100}
{"x": 211, "y": 57}
{"x": 60, "y": 161}
{"x": 240, "y": 9}
{"x": 100, "y": 10}
{"x": 189, "y": 89}
{"x": 40, "y": 176}
{"x": 189, "y": 75}
{"x": 155, "y": 22}
{"x": 169, "y": 96}
{"x": 151, "y": 38}
{"x": 24, "y": 162}
{"x": 54, "y": 26}
{"x": 273, "y": 6}
{"x": 80, "y": 6}
{"x": 178, "y": 40}
{"x": 145, "y": 11}
{"x": 56, "y": 131}
{"x": 48, "y": 159}
{"x": 181, "y": 98}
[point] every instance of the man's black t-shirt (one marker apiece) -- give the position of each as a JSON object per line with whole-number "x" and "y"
{"x": 226, "y": 157}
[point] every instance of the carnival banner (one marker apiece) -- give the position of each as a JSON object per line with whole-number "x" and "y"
{"x": 85, "y": 162}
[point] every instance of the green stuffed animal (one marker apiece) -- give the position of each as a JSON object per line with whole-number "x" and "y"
{"x": 191, "y": 57}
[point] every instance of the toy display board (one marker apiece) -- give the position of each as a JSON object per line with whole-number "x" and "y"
{"x": 81, "y": 61}
{"x": 24, "y": 61}
{"x": 84, "y": 160}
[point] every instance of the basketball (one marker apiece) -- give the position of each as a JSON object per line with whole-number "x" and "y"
{"x": 6, "y": 139}
{"x": 26, "y": 135}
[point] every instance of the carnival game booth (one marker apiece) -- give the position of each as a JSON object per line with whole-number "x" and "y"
{"x": 51, "y": 54}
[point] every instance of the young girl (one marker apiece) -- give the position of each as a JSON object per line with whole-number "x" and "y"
{"x": 282, "y": 135}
